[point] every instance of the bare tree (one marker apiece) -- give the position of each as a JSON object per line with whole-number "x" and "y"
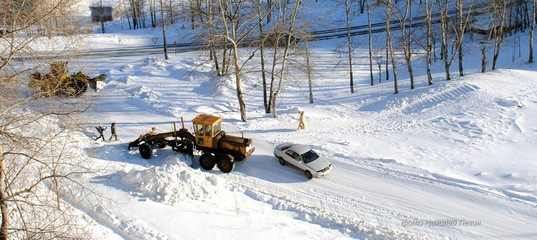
{"x": 126, "y": 11}
{"x": 378, "y": 56}
{"x": 196, "y": 11}
{"x": 499, "y": 18}
{"x": 445, "y": 23}
{"x": 460, "y": 30}
{"x": 171, "y": 12}
{"x": 444, "y": 16}
{"x": 483, "y": 45}
{"x": 37, "y": 160}
{"x": 287, "y": 27}
{"x": 134, "y": 12}
{"x": 406, "y": 39}
{"x": 237, "y": 25}
{"x": 153, "y": 12}
{"x": 211, "y": 27}
{"x": 219, "y": 52}
{"x": 263, "y": 13}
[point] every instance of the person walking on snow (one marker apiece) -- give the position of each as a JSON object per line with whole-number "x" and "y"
{"x": 100, "y": 129}
{"x": 113, "y": 131}
{"x": 301, "y": 121}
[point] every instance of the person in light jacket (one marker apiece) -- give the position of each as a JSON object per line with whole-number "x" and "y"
{"x": 113, "y": 131}
{"x": 301, "y": 121}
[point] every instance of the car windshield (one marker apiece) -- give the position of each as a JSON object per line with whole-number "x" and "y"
{"x": 309, "y": 156}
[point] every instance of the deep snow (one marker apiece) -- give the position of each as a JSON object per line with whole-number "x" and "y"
{"x": 453, "y": 160}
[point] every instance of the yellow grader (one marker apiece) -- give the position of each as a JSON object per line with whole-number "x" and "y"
{"x": 217, "y": 147}
{"x": 58, "y": 81}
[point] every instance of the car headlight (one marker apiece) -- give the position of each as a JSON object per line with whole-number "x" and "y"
{"x": 325, "y": 169}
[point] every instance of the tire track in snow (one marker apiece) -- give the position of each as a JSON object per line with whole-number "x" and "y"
{"x": 377, "y": 211}
{"x": 329, "y": 209}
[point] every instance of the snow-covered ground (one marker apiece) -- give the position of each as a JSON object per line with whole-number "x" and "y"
{"x": 455, "y": 160}
{"x": 452, "y": 160}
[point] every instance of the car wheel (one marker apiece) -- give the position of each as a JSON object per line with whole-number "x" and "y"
{"x": 308, "y": 174}
{"x": 282, "y": 162}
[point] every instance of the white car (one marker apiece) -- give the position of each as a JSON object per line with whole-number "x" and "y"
{"x": 304, "y": 158}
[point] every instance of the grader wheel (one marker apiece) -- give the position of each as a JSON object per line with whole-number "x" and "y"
{"x": 145, "y": 150}
{"x": 207, "y": 161}
{"x": 225, "y": 164}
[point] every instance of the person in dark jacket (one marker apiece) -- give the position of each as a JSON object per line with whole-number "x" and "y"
{"x": 113, "y": 131}
{"x": 100, "y": 129}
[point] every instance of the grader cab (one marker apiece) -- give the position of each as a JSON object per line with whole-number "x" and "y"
{"x": 216, "y": 146}
{"x": 58, "y": 81}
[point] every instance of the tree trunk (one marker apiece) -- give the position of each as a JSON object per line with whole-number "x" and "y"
{"x": 262, "y": 52}
{"x": 460, "y": 36}
{"x": 348, "y": 6}
{"x": 498, "y": 31}
{"x": 444, "y": 11}
{"x": 406, "y": 40}
{"x": 101, "y": 15}
{"x": 264, "y": 78}
{"x": 3, "y": 203}
{"x": 309, "y": 72}
{"x": 269, "y": 14}
{"x": 532, "y": 29}
{"x": 134, "y": 17}
{"x": 163, "y": 22}
{"x": 127, "y": 16}
{"x": 272, "y": 98}
{"x": 387, "y": 65}
{"x": 370, "y": 43}
{"x": 153, "y": 13}
{"x": 390, "y": 45}
{"x": 463, "y": 22}
{"x": 212, "y": 46}
{"x": 428, "y": 45}
{"x": 483, "y": 59}
{"x": 192, "y": 14}
{"x": 240, "y": 98}
{"x": 170, "y": 10}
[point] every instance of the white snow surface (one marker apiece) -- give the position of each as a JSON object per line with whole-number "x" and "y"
{"x": 455, "y": 160}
